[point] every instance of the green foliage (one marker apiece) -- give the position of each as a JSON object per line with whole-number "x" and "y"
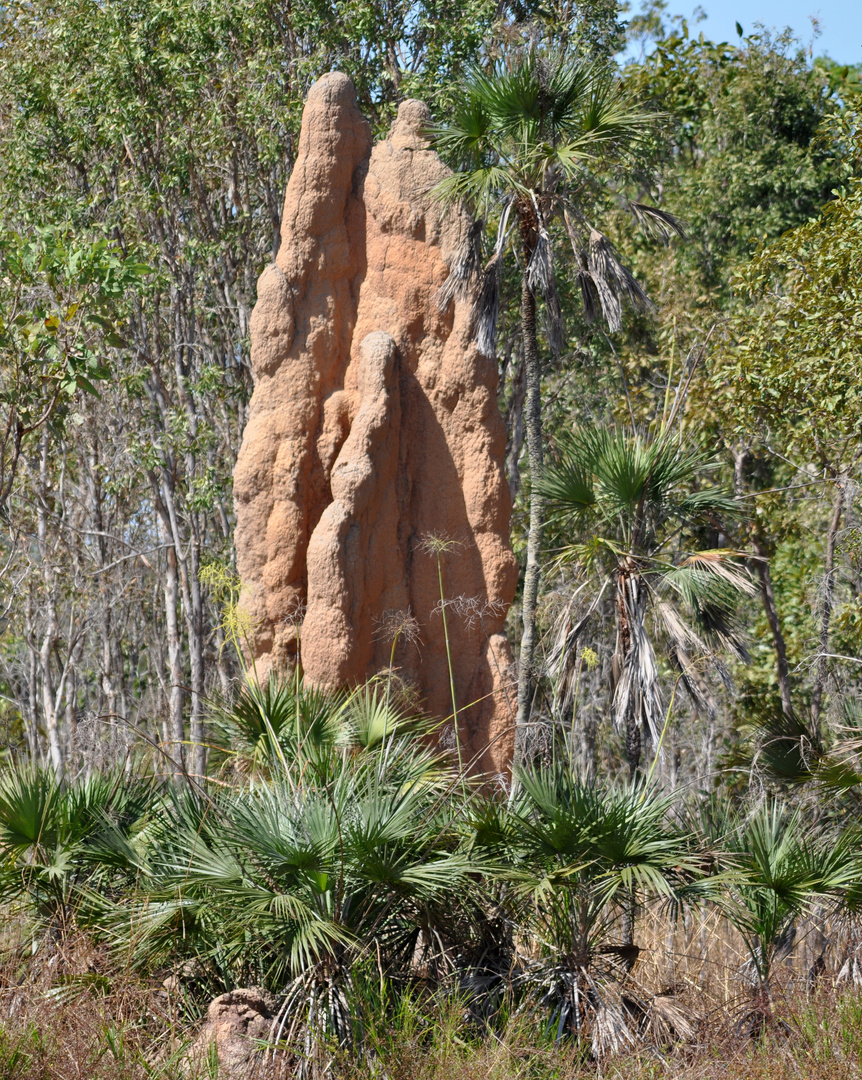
{"x": 515, "y": 124}
{"x": 632, "y": 509}
{"x": 536, "y": 141}
{"x": 778, "y": 871}
{"x": 352, "y": 857}
{"x": 57, "y": 840}
{"x": 632, "y": 494}
{"x": 582, "y": 856}
{"x": 62, "y": 304}
{"x": 791, "y": 361}
{"x": 742, "y": 122}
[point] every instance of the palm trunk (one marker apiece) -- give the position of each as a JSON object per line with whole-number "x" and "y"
{"x": 533, "y": 427}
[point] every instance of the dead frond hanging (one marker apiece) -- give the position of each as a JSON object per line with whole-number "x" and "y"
{"x": 487, "y": 307}
{"x": 637, "y": 693}
{"x": 542, "y": 280}
{"x": 465, "y": 269}
{"x": 656, "y": 223}
{"x": 613, "y": 281}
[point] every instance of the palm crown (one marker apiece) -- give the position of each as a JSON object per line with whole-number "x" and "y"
{"x": 528, "y": 143}
{"x": 634, "y": 507}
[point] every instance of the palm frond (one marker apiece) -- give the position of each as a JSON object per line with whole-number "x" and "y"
{"x": 637, "y": 694}
{"x": 465, "y": 269}
{"x": 656, "y": 222}
{"x": 612, "y": 281}
{"x": 487, "y": 307}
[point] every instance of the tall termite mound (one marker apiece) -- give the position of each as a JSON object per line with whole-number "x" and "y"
{"x": 374, "y": 435}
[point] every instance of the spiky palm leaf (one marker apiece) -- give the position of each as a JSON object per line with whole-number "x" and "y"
{"x": 778, "y": 871}
{"x": 339, "y": 847}
{"x": 578, "y": 851}
{"x": 534, "y": 138}
{"x": 56, "y": 838}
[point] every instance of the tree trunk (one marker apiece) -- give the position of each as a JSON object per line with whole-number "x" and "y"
{"x": 49, "y": 611}
{"x": 621, "y": 661}
{"x": 766, "y": 594}
{"x": 515, "y": 429}
{"x": 768, "y": 597}
{"x": 533, "y": 426}
{"x": 52, "y": 720}
{"x": 32, "y": 708}
{"x": 195, "y": 623}
{"x": 826, "y": 606}
{"x": 175, "y": 660}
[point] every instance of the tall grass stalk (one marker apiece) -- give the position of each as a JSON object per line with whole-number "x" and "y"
{"x": 437, "y": 546}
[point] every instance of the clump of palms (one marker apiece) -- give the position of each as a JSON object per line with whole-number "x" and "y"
{"x": 775, "y": 870}
{"x": 342, "y": 842}
{"x": 575, "y": 857}
{"x": 533, "y": 143}
{"x": 289, "y": 719}
{"x": 631, "y": 510}
{"x": 57, "y": 839}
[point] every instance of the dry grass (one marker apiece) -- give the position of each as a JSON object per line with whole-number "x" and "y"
{"x": 67, "y": 1013}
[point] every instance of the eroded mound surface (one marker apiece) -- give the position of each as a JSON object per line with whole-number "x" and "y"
{"x": 373, "y": 432}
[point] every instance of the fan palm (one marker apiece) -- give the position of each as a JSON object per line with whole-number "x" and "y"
{"x": 340, "y": 847}
{"x": 580, "y": 854}
{"x": 624, "y": 506}
{"x": 791, "y": 751}
{"x": 777, "y": 871}
{"x": 56, "y": 838}
{"x": 288, "y": 720}
{"x": 527, "y": 144}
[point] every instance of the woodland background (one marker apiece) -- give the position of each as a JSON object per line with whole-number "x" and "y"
{"x": 145, "y": 153}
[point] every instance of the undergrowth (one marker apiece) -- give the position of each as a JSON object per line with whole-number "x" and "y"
{"x": 66, "y": 1027}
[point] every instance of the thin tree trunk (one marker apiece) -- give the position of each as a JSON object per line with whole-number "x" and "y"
{"x": 533, "y": 425}
{"x": 52, "y": 725}
{"x": 49, "y": 608}
{"x": 175, "y": 660}
{"x": 71, "y": 705}
{"x": 196, "y": 656}
{"x": 222, "y": 664}
{"x": 826, "y": 606}
{"x": 192, "y": 603}
{"x": 32, "y": 711}
{"x": 621, "y": 660}
{"x": 767, "y": 595}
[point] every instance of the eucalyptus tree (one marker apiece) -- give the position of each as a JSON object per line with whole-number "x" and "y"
{"x": 787, "y": 377}
{"x": 631, "y": 511}
{"x": 532, "y": 143}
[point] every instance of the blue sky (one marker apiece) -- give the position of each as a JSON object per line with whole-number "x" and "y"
{"x": 840, "y": 21}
